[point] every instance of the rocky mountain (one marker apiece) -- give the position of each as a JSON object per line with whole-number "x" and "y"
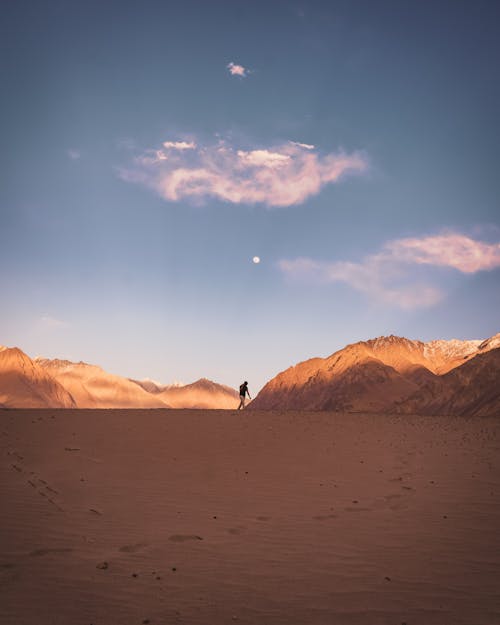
{"x": 388, "y": 374}
{"x": 472, "y": 389}
{"x": 25, "y": 384}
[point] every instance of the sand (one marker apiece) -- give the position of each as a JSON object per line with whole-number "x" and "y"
{"x": 121, "y": 517}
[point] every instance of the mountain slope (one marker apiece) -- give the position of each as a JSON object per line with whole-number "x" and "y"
{"x": 473, "y": 389}
{"x": 25, "y": 384}
{"x": 200, "y": 394}
{"x": 92, "y": 387}
{"x": 376, "y": 375}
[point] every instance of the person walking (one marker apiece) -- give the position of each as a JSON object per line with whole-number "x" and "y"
{"x": 243, "y": 392}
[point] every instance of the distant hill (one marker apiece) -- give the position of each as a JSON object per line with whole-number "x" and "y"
{"x": 46, "y": 383}
{"x": 200, "y": 394}
{"x": 92, "y": 387}
{"x": 390, "y": 374}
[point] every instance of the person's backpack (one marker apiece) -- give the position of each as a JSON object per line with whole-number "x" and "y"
{"x": 242, "y": 389}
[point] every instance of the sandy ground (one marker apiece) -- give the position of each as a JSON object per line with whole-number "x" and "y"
{"x": 126, "y": 517}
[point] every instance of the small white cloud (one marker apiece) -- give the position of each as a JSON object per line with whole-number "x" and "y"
{"x": 262, "y": 158}
{"x": 74, "y": 155}
{"x": 389, "y": 275}
{"x": 237, "y": 70}
{"x": 179, "y": 145}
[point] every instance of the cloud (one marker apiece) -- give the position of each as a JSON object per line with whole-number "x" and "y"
{"x": 179, "y": 145}
{"x": 306, "y": 146}
{"x": 74, "y": 155}
{"x": 281, "y": 175}
{"x": 389, "y": 275}
{"x": 47, "y": 321}
{"x": 237, "y": 70}
{"x": 448, "y": 250}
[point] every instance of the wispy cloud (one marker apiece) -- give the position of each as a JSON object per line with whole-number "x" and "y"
{"x": 281, "y": 175}
{"x": 387, "y": 276}
{"x": 237, "y": 70}
{"x": 448, "y": 250}
{"x": 50, "y": 322}
{"x": 74, "y": 155}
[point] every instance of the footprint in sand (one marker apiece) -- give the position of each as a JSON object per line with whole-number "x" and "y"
{"x": 263, "y": 518}
{"x": 394, "y": 501}
{"x": 181, "y": 538}
{"x": 236, "y": 530}
{"x": 43, "y": 552}
{"x": 133, "y": 548}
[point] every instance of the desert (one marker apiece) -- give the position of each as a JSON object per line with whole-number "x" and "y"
{"x": 249, "y": 329}
{"x": 277, "y": 517}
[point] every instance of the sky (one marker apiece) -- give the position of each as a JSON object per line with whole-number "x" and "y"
{"x": 150, "y": 150}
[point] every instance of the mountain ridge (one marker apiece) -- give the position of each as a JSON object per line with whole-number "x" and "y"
{"x": 59, "y": 383}
{"x": 379, "y": 375}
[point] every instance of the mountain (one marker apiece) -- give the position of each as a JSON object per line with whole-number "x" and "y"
{"x": 92, "y": 387}
{"x": 55, "y": 383}
{"x": 200, "y": 394}
{"x": 150, "y": 385}
{"x": 472, "y": 389}
{"x": 25, "y": 384}
{"x": 381, "y": 375}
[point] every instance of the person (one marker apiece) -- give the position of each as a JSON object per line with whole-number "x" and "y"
{"x": 243, "y": 392}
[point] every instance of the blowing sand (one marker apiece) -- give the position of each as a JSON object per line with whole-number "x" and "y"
{"x": 125, "y": 517}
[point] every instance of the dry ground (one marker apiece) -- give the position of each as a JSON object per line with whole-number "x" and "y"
{"x": 124, "y": 517}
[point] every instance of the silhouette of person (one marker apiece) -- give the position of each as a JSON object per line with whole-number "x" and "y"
{"x": 243, "y": 392}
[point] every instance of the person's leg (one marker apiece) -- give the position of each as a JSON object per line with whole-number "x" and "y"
{"x": 242, "y": 403}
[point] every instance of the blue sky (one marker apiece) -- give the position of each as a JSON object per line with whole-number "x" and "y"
{"x": 352, "y": 146}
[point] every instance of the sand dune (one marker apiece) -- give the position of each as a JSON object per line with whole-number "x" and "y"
{"x": 196, "y": 518}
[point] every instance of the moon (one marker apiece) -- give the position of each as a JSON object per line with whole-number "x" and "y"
{"x": 256, "y": 259}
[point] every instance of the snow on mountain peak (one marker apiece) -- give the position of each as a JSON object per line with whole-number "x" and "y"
{"x": 454, "y": 348}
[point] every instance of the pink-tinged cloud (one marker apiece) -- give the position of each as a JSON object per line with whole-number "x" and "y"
{"x": 237, "y": 70}
{"x": 283, "y": 175}
{"x": 448, "y": 250}
{"x": 389, "y": 277}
